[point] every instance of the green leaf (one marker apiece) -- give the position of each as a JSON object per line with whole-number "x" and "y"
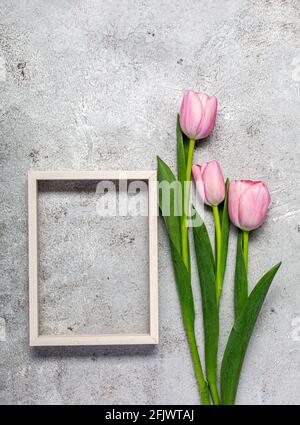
{"x": 184, "y": 288}
{"x": 205, "y": 263}
{"x": 181, "y": 166}
{"x": 209, "y": 255}
{"x": 186, "y": 143}
{"x": 239, "y": 337}
{"x": 224, "y": 232}
{"x": 184, "y": 140}
{"x": 240, "y": 278}
{"x": 172, "y": 221}
{"x": 182, "y": 275}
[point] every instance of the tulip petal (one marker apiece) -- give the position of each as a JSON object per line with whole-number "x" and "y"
{"x": 254, "y": 203}
{"x": 191, "y": 112}
{"x": 197, "y": 171}
{"x": 214, "y": 185}
{"x": 210, "y": 106}
{"x": 203, "y": 99}
{"x": 235, "y": 188}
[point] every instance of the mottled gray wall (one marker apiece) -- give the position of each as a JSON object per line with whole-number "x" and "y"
{"x": 96, "y": 85}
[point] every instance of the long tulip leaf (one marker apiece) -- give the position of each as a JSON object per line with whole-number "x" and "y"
{"x": 240, "y": 278}
{"x": 205, "y": 263}
{"x": 202, "y": 231}
{"x": 182, "y": 275}
{"x": 181, "y": 169}
{"x": 224, "y": 233}
{"x": 170, "y": 202}
{"x": 183, "y": 139}
{"x": 240, "y": 336}
{"x": 184, "y": 288}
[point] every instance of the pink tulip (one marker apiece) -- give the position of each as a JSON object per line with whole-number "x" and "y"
{"x": 209, "y": 182}
{"x": 197, "y": 114}
{"x": 248, "y": 202}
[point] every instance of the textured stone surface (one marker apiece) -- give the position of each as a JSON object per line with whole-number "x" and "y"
{"x": 96, "y": 85}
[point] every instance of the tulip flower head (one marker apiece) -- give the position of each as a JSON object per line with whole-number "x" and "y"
{"x": 209, "y": 182}
{"x": 248, "y": 202}
{"x": 197, "y": 114}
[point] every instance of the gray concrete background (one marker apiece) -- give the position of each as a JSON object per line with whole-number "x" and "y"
{"x": 96, "y": 85}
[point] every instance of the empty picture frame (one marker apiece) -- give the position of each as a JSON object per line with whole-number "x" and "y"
{"x": 37, "y": 339}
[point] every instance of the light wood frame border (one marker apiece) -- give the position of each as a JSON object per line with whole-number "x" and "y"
{"x": 103, "y": 339}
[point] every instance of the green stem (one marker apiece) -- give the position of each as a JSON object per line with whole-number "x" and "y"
{"x": 218, "y": 252}
{"x": 202, "y": 384}
{"x": 245, "y": 248}
{"x": 184, "y": 224}
{"x": 213, "y": 385}
{"x": 214, "y": 393}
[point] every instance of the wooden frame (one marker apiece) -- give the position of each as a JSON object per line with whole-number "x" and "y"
{"x": 104, "y": 339}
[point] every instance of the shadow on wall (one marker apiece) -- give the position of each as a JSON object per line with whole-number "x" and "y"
{"x": 94, "y": 351}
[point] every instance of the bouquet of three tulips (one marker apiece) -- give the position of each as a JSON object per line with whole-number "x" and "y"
{"x": 245, "y": 204}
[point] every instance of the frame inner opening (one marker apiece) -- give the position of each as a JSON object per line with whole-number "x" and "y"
{"x": 93, "y": 268}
